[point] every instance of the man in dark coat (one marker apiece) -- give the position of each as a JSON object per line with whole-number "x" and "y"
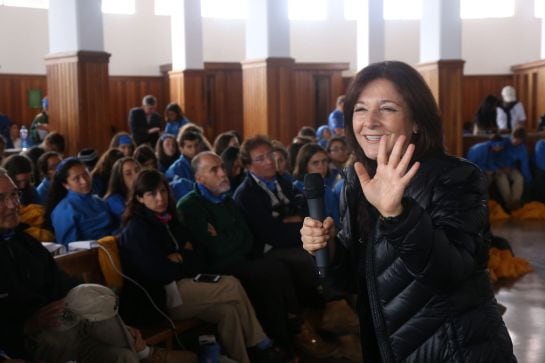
{"x": 145, "y": 123}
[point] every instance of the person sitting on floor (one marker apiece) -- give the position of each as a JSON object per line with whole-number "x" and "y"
{"x": 74, "y": 213}
{"x": 40, "y": 305}
{"x": 155, "y": 252}
{"x": 47, "y": 165}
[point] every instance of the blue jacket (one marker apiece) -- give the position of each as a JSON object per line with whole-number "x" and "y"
{"x": 331, "y": 201}
{"x": 172, "y": 127}
{"x": 81, "y": 217}
{"x": 180, "y": 187}
{"x": 518, "y": 158}
{"x": 488, "y": 160}
{"x": 540, "y": 154}
{"x": 117, "y": 206}
{"x": 335, "y": 121}
{"x": 43, "y": 189}
{"x": 181, "y": 168}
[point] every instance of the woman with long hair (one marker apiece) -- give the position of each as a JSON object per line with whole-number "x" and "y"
{"x": 155, "y": 252}
{"x": 225, "y": 140}
{"x": 73, "y": 211}
{"x": 123, "y": 174}
{"x": 413, "y": 243}
{"x": 167, "y": 151}
{"x": 102, "y": 170}
{"x": 175, "y": 118}
{"x": 145, "y": 155}
{"x": 124, "y": 142}
{"x": 312, "y": 158}
{"x": 20, "y": 170}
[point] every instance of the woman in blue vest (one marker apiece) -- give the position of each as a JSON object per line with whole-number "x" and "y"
{"x": 73, "y": 211}
{"x": 123, "y": 174}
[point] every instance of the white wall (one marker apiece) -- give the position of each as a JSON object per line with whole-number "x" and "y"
{"x": 140, "y": 43}
{"x": 23, "y": 40}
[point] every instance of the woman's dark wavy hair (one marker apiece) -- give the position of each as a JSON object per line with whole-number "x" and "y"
{"x": 418, "y": 97}
{"x": 222, "y": 141}
{"x": 174, "y": 107}
{"x": 104, "y": 165}
{"x": 162, "y": 157}
{"x": 147, "y": 181}
{"x": 42, "y": 162}
{"x": 114, "y": 143}
{"x": 57, "y": 191}
{"x": 116, "y": 185}
{"x": 144, "y": 153}
{"x": 303, "y": 157}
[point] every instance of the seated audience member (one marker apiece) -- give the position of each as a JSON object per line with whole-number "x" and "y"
{"x": 124, "y": 142}
{"x": 175, "y": 118}
{"x": 103, "y": 169}
{"x": 510, "y": 112}
{"x": 47, "y": 165}
{"x": 121, "y": 179}
{"x": 274, "y": 211}
{"x": 190, "y": 127}
{"x": 144, "y": 122}
{"x": 145, "y": 156}
{"x": 323, "y": 135}
{"x": 167, "y": 151}
{"x": 313, "y": 159}
{"x": 14, "y": 136}
{"x": 491, "y": 156}
{"x": 233, "y": 167}
{"x": 73, "y": 211}
{"x": 518, "y": 153}
{"x": 336, "y": 118}
{"x": 180, "y": 187}
{"x": 190, "y": 145}
{"x": 34, "y": 153}
{"x": 484, "y": 121}
{"x": 225, "y": 140}
{"x": 337, "y": 150}
{"x": 40, "y": 124}
{"x": 20, "y": 170}
{"x": 6, "y": 126}
{"x": 34, "y": 299}
{"x": 308, "y": 132}
{"x": 293, "y": 149}
{"x": 281, "y": 161}
{"x": 154, "y": 251}
{"x": 540, "y": 169}
{"x": 54, "y": 142}
{"x": 88, "y": 156}
{"x": 217, "y": 227}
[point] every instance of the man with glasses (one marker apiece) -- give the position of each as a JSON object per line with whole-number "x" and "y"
{"x": 275, "y": 211}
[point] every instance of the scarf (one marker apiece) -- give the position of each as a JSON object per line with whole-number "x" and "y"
{"x": 270, "y": 187}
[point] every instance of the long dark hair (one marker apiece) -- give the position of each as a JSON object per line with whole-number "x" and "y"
{"x": 303, "y": 158}
{"x": 103, "y": 168}
{"x": 416, "y": 94}
{"x": 163, "y": 158}
{"x": 116, "y": 185}
{"x": 57, "y": 191}
{"x": 222, "y": 141}
{"x": 147, "y": 181}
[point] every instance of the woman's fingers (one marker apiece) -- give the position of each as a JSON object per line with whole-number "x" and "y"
{"x": 381, "y": 157}
{"x": 362, "y": 173}
{"x": 405, "y": 160}
{"x": 395, "y": 155}
{"x": 410, "y": 174}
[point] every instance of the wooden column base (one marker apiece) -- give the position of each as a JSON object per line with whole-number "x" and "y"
{"x": 187, "y": 88}
{"x": 444, "y": 77}
{"x": 78, "y": 90}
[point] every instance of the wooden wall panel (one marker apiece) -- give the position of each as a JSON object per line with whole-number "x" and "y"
{"x": 254, "y": 95}
{"x": 529, "y": 81}
{"x": 78, "y": 94}
{"x": 445, "y": 80}
{"x": 477, "y": 87}
{"x": 14, "y": 96}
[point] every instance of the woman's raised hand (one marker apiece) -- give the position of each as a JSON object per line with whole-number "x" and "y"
{"x": 385, "y": 190}
{"x": 315, "y": 234}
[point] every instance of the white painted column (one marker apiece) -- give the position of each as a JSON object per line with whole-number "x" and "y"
{"x": 186, "y": 28}
{"x": 267, "y": 29}
{"x": 370, "y": 33}
{"x": 440, "y": 30}
{"x": 75, "y": 25}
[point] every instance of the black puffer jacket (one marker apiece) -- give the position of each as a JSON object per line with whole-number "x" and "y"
{"x": 424, "y": 290}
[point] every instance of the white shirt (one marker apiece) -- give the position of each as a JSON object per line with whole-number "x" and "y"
{"x": 517, "y": 116}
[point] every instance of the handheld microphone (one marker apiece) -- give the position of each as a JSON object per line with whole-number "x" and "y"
{"x": 314, "y": 193}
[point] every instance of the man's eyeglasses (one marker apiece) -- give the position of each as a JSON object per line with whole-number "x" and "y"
{"x": 13, "y": 197}
{"x": 262, "y": 158}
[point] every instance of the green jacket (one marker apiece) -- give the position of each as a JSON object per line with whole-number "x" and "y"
{"x": 234, "y": 240}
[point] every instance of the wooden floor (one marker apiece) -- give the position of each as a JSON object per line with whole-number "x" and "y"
{"x": 525, "y": 298}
